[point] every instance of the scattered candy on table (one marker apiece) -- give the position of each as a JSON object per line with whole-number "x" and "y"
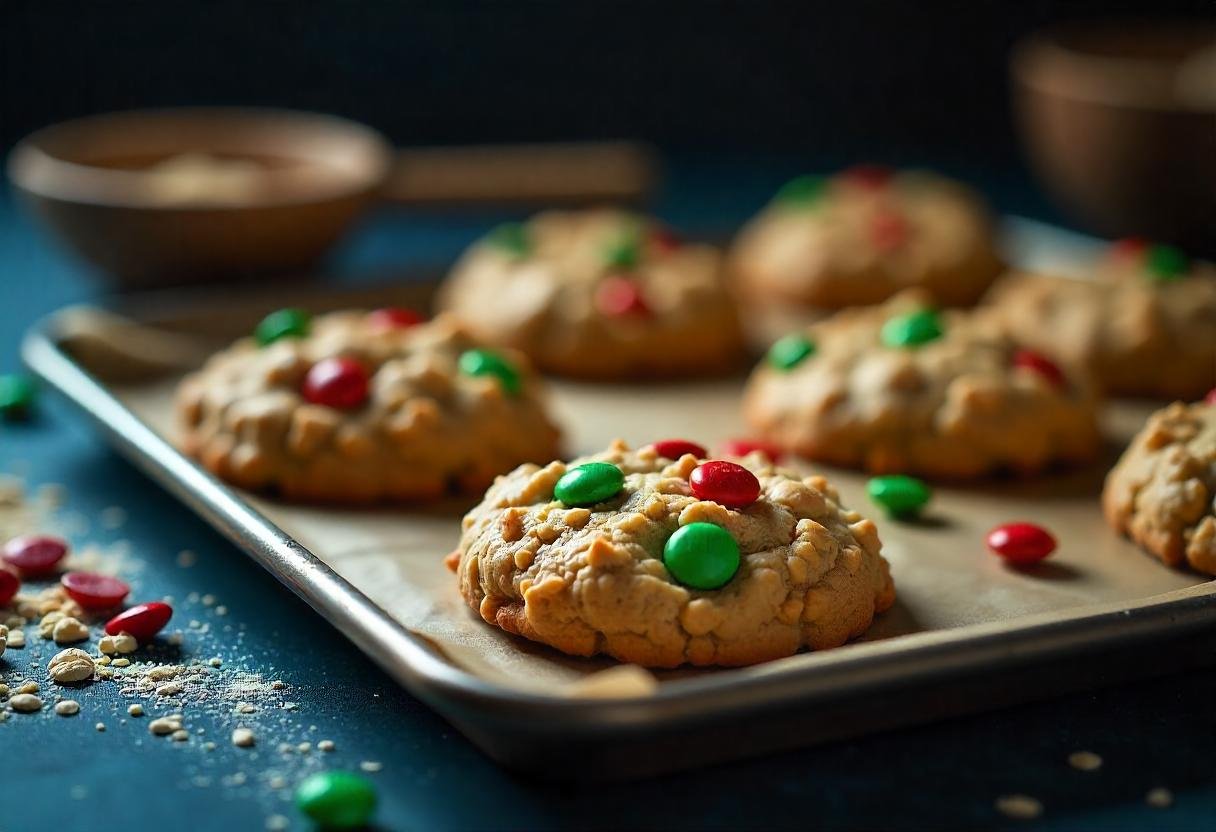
{"x": 790, "y": 351}
{"x": 1021, "y": 543}
{"x": 35, "y": 556}
{"x": 702, "y": 556}
{"x": 899, "y": 495}
{"x": 912, "y": 329}
{"x": 143, "y": 621}
{"x": 17, "y": 394}
{"x": 619, "y": 297}
{"x": 337, "y": 799}
{"x": 676, "y": 448}
{"x": 341, "y": 383}
{"x": 93, "y": 591}
{"x": 283, "y": 323}
{"x": 589, "y": 483}
{"x": 394, "y": 317}
{"x": 488, "y": 363}
{"x": 725, "y": 483}
{"x": 1041, "y": 364}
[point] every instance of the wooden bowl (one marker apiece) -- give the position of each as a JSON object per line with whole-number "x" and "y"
{"x": 1120, "y": 123}
{"x": 196, "y": 193}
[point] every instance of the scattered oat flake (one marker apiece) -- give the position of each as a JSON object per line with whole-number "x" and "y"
{"x": 68, "y": 707}
{"x": 326, "y": 745}
{"x": 28, "y": 687}
{"x": 243, "y": 738}
{"x": 180, "y": 735}
{"x": 1019, "y": 806}
{"x": 25, "y": 703}
{"x": 276, "y": 822}
{"x": 1085, "y": 761}
{"x": 1160, "y": 798}
{"x": 135, "y": 709}
{"x": 163, "y": 725}
{"x": 371, "y": 765}
{"x": 101, "y": 726}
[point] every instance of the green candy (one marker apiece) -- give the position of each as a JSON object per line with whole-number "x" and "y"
{"x": 1165, "y": 263}
{"x": 802, "y": 192}
{"x": 283, "y": 323}
{"x": 702, "y": 556}
{"x": 589, "y": 483}
{"x": 899, "y": 495}
{"x": 17, "y": 395}
{"x": 790, "y": 351}
{"x": 512, "y": 238}
{"x": 624, "y": 252}
{"x": 913, "y": 329}
{"x": 487, "y": 363}
{"x": 337, "y": 799}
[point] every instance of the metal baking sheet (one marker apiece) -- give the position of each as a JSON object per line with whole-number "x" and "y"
{"x": 966, "y": 632}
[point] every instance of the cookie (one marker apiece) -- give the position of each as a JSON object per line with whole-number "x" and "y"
{"x": 1144, "y": 324}
{"x": 1162, "y": 492}
{"x": 903, "y": 388}
{"x": 861, "y": 236}
{"x": 599, "y": 295}
{"x": 356, "y": 407}
{"x": 668, "y": 560}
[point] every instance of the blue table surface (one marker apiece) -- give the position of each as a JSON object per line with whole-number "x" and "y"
{"x": 63, "y": 774}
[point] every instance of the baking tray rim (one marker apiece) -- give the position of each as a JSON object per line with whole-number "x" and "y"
{"x": 409, "y": 658}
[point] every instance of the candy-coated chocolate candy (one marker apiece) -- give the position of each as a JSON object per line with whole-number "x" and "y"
{"x": 899, "y": 495}
{"x": 1165, "y": 263}
{"x": 1041, "y": 364}
{"x": 283, "y": 323}
{"x": 489, "y": 363}
{"x": 9, "y": 584}
{"x": 394, "y": 317}
{"x": 623, "y": 252}
{"x": 742, "y": 447}
{"x": 142, "y": 621}
{"x": 1210, "y": 398}
{"x": 17, "y": 394}
{"x": 725, "y": 483}
{"x": 1128, "y": 247}
{"x": 93, "y": 591}
{"x": 589, "y": 483}
{"x": 511, "y": 238}
{"x": 663, "y": 239}
{"x": 790, "y": 351}
{"x": 701, "y": 555}
{"x": 888, "y": 230}
{"x": 802, "y": 192}
{"x": 337, "y": 799}
{"x": 618, "y": 297}
{"x": 676, "y": 448}
{"x": 1021, "y": 542}
{"x": 35, "y": 556}
{"x": 870, "y": 177}
{"x": 912, "y": 329}
{"x": 341, "y": 383}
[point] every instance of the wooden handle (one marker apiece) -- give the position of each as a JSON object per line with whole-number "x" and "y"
{"x": 536, "y": 173}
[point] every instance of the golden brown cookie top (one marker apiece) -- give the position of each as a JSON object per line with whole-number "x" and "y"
{"x": 864, "y": 235}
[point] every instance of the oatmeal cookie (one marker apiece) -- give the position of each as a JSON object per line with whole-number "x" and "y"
{"x": 598, "y": 294}
{"x": 861, "y": 236}
{"x": 903, "y": 388}
{"x": 1162, "y": 493}
{"x": 356, "y": 407}
{"x": 663, "y": 561}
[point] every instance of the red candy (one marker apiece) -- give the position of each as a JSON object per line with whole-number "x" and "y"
{"x": 1128, "y": 248}
{"x": 888, "y": 230}
{"x": 341, "y": 383}
{"x": 394, "y": 317}
{"x": 93, "y": 591}
{"x": 726, "y": 483}
{"x": 142, "y": 621}
{"x": 870, "y": 177}
{"x": 619, "y": 296}
{"x": 1210, "y": 398}
{"x": 1021, "y": 542}
{"x": 664, "y": 239}
{"x": 676, "y": 448}
{"x": 743, "y": 447}
{"x": 35, "y": 555}
{"x": 9, "y": 584}
{"x": 1041, "y": 364}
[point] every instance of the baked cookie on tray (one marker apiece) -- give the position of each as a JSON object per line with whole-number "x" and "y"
{"x": 861, "y": 236}
{"x": 599, "y": 294}
{"x": 660, "y": 557}
{"x": 905, "y": 388}
{"x": 1145, "y": 325}
{"x": 356, "y": 407}
{"x": 1162, "y": 493}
